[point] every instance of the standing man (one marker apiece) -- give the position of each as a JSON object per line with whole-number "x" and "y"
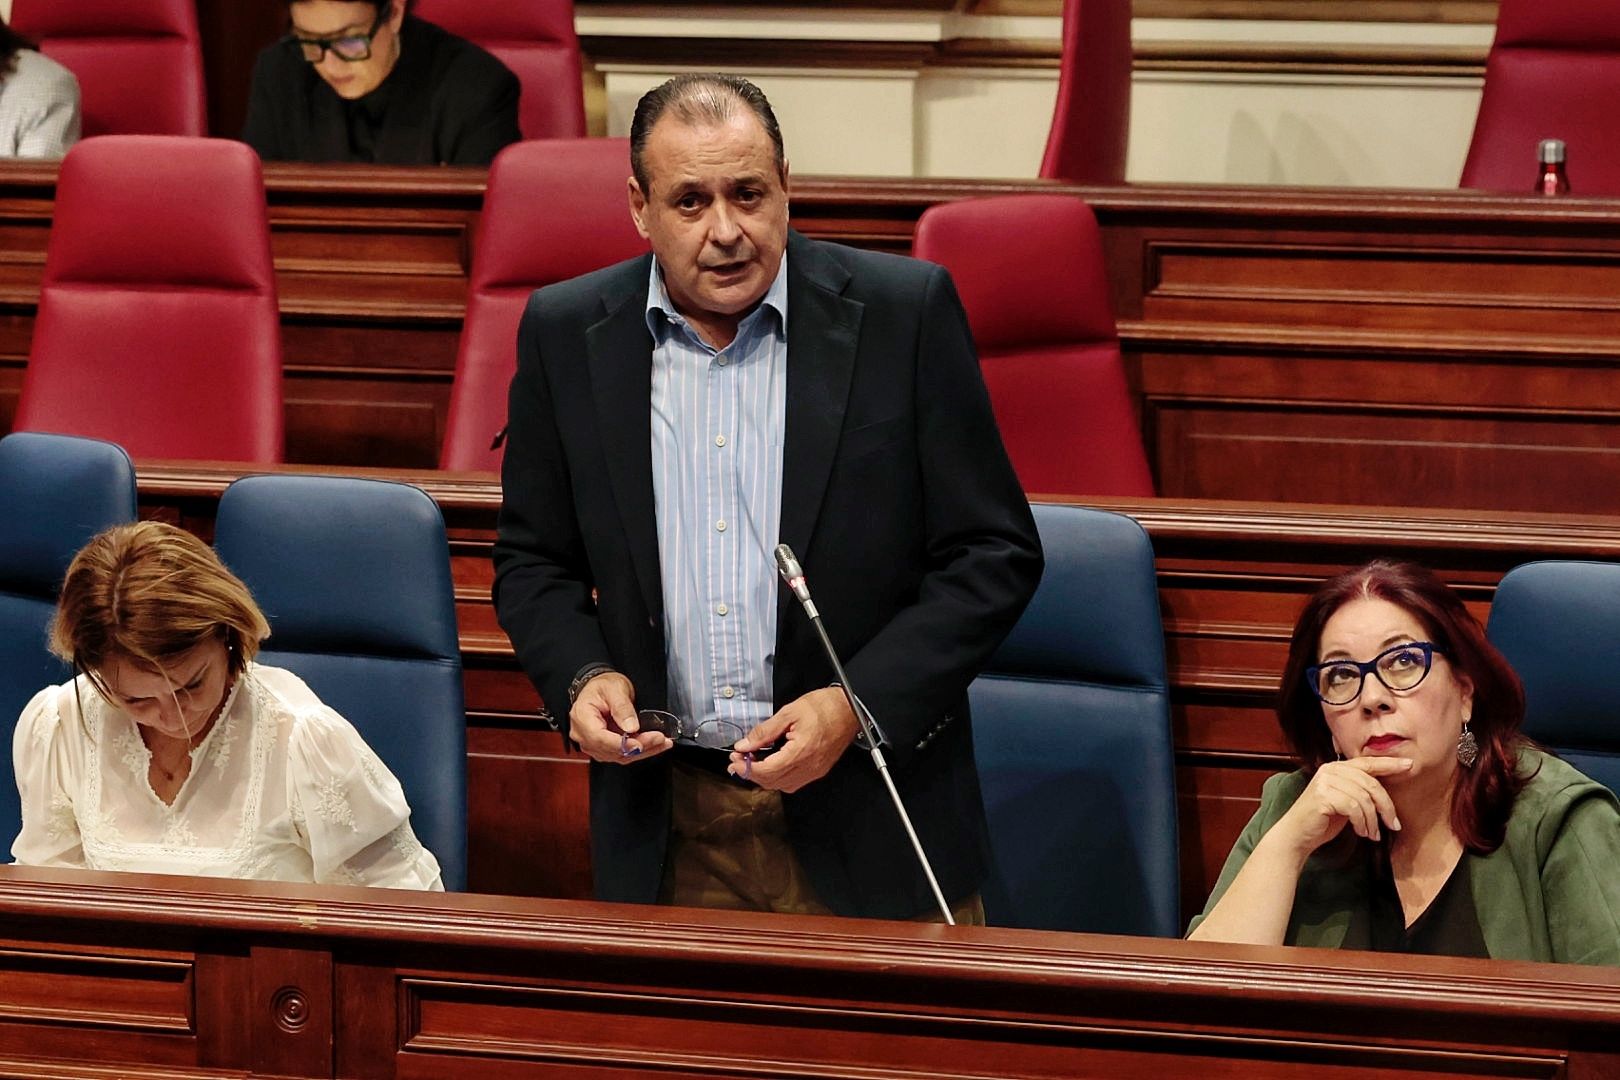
{"x": 673, "y": 419}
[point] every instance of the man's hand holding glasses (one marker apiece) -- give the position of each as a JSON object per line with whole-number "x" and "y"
{"x": 811, "y": 733}
{"x": 604, "y": 723}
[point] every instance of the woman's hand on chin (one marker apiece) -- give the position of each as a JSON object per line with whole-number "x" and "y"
{"x": 1343, "y": 793}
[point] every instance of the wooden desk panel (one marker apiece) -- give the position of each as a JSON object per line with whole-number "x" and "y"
{"x": 303, "y": 981}
{"x": 1284, "y": 344}
{"x": 1232, "y": 577}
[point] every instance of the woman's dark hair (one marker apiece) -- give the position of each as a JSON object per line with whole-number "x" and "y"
{"x": 1483, "y": 796}
{"x": 10, "y": 42}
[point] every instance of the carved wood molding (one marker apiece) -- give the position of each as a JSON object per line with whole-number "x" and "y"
{"x": 1416, "y": 11}
{"x": 1001, "y": 54}
{"x": 1066, "y": 969}
{"x": 1205, "y": 521}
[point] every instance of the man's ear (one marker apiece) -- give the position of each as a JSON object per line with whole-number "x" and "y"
{"x": 638, "y": 207}
{"x": 396, "y": 15}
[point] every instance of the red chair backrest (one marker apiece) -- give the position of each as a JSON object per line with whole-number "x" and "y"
{"x": 138, "y": 62}
{"x": 1090, "y": 125}
{"x": 157, "y": 325}
{"x": 1553, "y": 73}
{"x": 535, "y": 38}
{"x": 1030, "y": 272}
{"x": 554, "y": 209}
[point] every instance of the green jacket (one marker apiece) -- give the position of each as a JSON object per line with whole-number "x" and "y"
{"x": 1550, "y": 892}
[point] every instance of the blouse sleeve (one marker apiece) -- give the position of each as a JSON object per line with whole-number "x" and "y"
{"x": 351, "y": 809}
{"x": 44, "y": 764}
{"x": 1578, "y": 879}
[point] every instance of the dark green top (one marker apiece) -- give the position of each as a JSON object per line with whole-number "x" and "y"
{"x": 1550, "y": 892}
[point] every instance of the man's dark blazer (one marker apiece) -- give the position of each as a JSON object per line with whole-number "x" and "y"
{"x": 898, "y": 498}
{"x": 449, "y": 103}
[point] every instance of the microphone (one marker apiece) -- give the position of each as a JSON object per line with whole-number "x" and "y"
{"x": 793, "y": 574}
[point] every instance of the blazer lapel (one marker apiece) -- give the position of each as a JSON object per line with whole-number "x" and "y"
{"x": 823, "y": 331}
{"x": 620, "y": 356}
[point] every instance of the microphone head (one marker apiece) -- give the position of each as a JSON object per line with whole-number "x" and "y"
{"x": 786, "y": 564}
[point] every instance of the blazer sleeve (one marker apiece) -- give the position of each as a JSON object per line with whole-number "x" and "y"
{"x": 979, "y": 541}
{"x": 261, "y": 130}
{"x": 543, "y": 582}
{"x": 1276, "y": 797}
{"x": 487, "y": 120}
{"x": 1579, "y": 883}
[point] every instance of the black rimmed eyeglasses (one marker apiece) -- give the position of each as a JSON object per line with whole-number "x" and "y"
{"x": 1402, "y": 667}
{"x": 350, "y": 47}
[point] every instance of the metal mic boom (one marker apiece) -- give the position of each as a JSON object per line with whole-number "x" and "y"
{"x": 788, "y": 566}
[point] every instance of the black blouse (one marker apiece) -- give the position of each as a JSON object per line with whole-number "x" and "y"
{"x": 1449, "y": 926}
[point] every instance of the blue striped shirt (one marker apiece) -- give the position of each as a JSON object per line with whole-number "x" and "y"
{"x": 717, "y": 422}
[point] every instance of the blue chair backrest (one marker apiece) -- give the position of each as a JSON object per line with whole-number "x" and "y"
{"x": 354, "y": 576}
{"x": 1558, "y": 624}
{"x": 56, "y": 492}
{"x": 1071, "y": 731}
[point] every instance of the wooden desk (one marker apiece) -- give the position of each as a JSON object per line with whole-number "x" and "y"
{"x": 1375, "y": 348}
{"x": 1232, "y": 577}
{"x": 134, "y": 976}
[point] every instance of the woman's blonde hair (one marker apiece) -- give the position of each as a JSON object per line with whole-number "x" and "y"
{"x": 150, "y": 592}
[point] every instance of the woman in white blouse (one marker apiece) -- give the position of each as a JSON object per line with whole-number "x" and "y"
{"x": 172, "y": 752}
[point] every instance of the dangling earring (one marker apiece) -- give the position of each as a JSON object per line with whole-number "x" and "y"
{"x": 1467, "y": 747}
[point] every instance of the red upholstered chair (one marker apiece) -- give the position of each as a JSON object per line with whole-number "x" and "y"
{"x": 157, "y": 326}
{"x": 138, "y": 62}
{"x": 1030, "y": 272}
{"x": 554, "y": 209}
{"x": 1091, "y": 122}
{"x": 1553, "y": 73}
{"x": 535, "y": 38}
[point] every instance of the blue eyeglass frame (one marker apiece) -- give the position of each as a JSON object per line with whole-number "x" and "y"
{"x": 1429, "y": 649}
{"x": 325, "y": 44}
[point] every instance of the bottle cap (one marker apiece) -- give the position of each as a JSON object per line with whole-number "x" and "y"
{"x": 1550, "y": 151}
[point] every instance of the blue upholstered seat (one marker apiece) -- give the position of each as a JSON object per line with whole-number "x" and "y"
{"x": 354, "y": 576}
{"x": 1071, "y": 730}
{"x": 1558, "y": 623}
{"x": 56, "y": 492}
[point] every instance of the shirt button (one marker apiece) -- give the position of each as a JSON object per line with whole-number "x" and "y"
{"x": 720, "y": 526}
{"x": 728, "y": 692}
{"x": 723, "y": 360}
{"x": 720, "y": 609}
{"x": 719, "y": 440}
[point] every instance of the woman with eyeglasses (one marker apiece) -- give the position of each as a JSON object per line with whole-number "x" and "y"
{"x": 1422, "y": 820}
{"x": 39, "y": 101}
{"x": 362, "y": 81}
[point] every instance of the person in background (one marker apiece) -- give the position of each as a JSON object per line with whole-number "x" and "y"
{"x": 172, "y": 752}
{"x": 39, "y": 101}
{"x": 1422, "y": 820}
{"x": 675, "y": 417}
{"x": 362, "y": 81}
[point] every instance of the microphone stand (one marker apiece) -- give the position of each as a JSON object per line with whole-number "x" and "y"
{"x": 793, "y": 574}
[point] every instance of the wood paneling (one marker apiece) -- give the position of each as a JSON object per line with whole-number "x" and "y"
{"x": 1283, "y": 343}
{"x": 1232, "y": 577}
{"x": 430, "y": 986}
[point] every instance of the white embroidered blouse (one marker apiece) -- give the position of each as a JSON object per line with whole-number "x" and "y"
{"x": 281, "y": 789}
